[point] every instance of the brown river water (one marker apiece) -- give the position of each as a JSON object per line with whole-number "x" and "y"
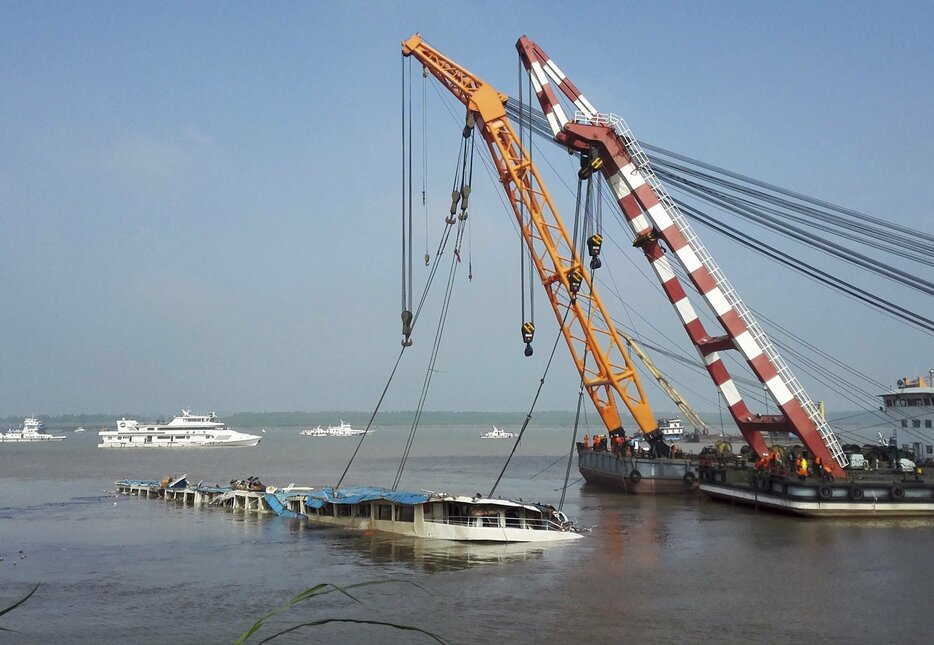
{"x": 650, "y": 569}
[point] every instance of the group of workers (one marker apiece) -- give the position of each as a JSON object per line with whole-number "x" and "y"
{"x": 619, "y": 444}
{"x": 797, "y": 463}
{"x": 615, "y": 443}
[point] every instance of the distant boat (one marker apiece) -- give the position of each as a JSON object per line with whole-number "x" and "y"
{"x": 79, "y": 430}
{"x": 496, "y": 433}
{"x": 31, "y": 431}
{"x": 343, "y": 430}
{"x": 184, "y": 431}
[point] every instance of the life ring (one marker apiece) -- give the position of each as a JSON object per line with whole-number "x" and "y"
{"x": 689, "y": 478}
{"x": 824, "y": 492}
{"x": 635, "y": 476}
{"x": 897, "y": 492}
{"x": 123, "y": 424}
{"x": 856, "y": 492}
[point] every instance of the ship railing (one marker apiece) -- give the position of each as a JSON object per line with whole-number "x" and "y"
{"x": 494, "y": 521}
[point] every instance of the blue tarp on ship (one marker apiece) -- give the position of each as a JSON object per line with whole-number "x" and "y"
{"x": 357, "y": 494}
{"x": 278, "y": 507}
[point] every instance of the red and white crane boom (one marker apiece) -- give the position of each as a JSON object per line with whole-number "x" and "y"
{"x": 654, "y": 218}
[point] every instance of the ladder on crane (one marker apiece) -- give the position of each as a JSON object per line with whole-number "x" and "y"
{"x": 653, "y": 216}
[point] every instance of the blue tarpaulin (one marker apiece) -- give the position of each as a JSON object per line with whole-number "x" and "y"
{"x": 357, "y": 494}
{"x": 279, "y": 508}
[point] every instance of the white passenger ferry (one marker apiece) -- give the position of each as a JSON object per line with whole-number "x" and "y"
{"x": 427, "y": 514}
{"x": 31, "y": 431}
{"x": 184, "y": 431}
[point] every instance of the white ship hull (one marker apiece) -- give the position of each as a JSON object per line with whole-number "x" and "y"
{"x": 26, "y": 437}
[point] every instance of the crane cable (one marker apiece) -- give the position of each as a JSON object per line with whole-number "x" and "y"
{"x": 459, "y": 196}
{"x": 528, "y": 416}
{"x": 429, "y": 373}
{"x": 595, "y": 264}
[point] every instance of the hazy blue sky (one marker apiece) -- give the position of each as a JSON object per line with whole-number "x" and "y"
{"x": 199, "y": 202}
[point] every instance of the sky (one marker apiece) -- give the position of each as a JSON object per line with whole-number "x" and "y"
{"x": 200, "y": 202}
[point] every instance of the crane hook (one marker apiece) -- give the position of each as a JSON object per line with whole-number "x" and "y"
{"x": 528, "y": 333}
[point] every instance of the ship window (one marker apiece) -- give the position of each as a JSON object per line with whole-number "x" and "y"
{"x": 904, "y": 423}
{"x": 384, "y": 511}
{"x": 344, "y": 510}
{"x": 929, "y": 449}
{"x": 927, "y": 423}
{"x": 916, "y": 423}
{"x": 363, "y": 510}
{"x": 405, "y": 513}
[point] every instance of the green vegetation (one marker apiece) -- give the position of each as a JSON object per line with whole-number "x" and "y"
{"x": 320, "y": 590}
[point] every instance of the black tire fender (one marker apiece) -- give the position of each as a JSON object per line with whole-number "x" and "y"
{"x": 856, "y": 492}
{"x": 897, "y": 492}
{"x": 824, "y": 492}
{"x": 690, "y": 478}
{"x": 762, "y": 483}
{"x": 635, "y": 476}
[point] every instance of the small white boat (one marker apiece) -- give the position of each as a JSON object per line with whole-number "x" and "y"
{"x": 427, "y": 514}
{"x": 496, "y": 433}
{"x": 184, "y": 431}
{"x": 79, "y": 430}
{"x": 31, "y": 431}
{"x": 343, "y": 430}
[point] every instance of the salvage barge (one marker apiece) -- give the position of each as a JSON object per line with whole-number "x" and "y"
{"x": 422, "y": 514}
{"x": 871, "y": 494}
{"x": 633, "y": 473}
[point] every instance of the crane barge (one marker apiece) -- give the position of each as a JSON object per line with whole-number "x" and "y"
{"x": 665, "y": 237}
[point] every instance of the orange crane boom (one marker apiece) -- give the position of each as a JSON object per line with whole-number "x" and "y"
{"x": 598, "y": 351}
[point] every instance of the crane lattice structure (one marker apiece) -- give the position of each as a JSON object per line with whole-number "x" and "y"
{"x": 597, "y": 349}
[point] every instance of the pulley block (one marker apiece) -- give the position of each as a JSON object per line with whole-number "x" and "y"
{"x": 575, "y": 278}
{"x": 594, "y": 244}
{"x": 406, "y": 327}
{"x": 587, "y": 170}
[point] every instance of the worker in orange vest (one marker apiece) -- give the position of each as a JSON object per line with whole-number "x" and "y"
{"x": 802, "y": 467}
{"x": 587, "y": 441}
{"x": 618, "y": 444}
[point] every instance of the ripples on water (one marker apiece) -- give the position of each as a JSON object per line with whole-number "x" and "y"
{"x": 128, "y": 570}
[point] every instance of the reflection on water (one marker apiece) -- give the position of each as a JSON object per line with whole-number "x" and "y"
{"x": 431, "y": 556}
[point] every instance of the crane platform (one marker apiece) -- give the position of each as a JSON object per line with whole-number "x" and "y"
{"x": 877, "y": 494}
